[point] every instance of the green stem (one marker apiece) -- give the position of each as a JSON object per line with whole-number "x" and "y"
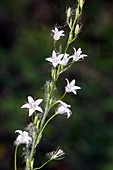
{"x": 47, "y": 107}
{"x": 59, "y": 99}
{"x": 47, "y": 123}
{"x": 70, "y": 37}
{"x": 43, "y": 165}
{"x": 15, "y": 157}
{"x": 38, "y": 136}
{"x": 63, "y": 96}
{"x": 67, "y": 67}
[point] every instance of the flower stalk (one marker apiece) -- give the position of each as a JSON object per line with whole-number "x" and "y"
{"x": 60, "y": 63}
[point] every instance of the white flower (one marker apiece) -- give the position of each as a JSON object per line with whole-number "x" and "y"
{"x": 33, "y": 105}
{"x": 64, "y": 109}
{"x": 57, "y": 34}
{"x": 65, "y": 59}
{"x": 56, "y": 155}
{"x": 23, "y": 137}
{"x": 55, "y": 59}
{"x": 77, "y": 54}
{"x": 71, "y": 87}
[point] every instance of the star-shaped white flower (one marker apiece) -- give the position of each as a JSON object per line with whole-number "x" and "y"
{"x": 23, "y": 137}
{"x": 55, "y": 59}
{"x": 65, "y": 59}
{"x": 57, "y": 34}
{"x": 77, "y": 54}
{"x": 64, "y": 109}
{"x": 56, "y": 155}
{"x": 71, "y": 87}
{"x": 33, "y": 105}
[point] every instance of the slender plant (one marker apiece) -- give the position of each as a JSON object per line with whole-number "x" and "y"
{"x": 60, "y": 61}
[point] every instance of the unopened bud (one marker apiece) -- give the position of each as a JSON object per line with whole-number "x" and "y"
{"x": 32, "y": 162}
{"x": 35, "y": 119}
{"x": 37, "y": 125}
{"x": 68, "y": 12}
{"x": 27, "y": 162}
{"x": 77, "y": 29}
{"x": 81, "y": 2}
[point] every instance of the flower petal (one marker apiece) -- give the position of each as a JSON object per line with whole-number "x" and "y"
{"x": 25, "y": 106}
{"x": 39, "y": 109}
{"x": 18, "y": 131}
{"x": 31, "y": 111}
{"x": 30, "y": 99}
{"x": 38, "y": 101}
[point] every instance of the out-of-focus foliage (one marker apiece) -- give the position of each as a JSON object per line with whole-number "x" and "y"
{"x": 25, "y": 42}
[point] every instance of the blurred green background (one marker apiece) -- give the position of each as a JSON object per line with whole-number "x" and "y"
{"x": 25, "y": 42}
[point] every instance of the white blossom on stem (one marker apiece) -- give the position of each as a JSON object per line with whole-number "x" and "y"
{"x": 55, "y": 59}
{"x": 33, "y": 105}
{"x": 65, "y": 59}
{"x": 57, "y": 34}
{"x": 23, "y": 138}
{"x": 56, "y": 155}
{"x": 63, "y": 108}
{"x": 77, "y": 54}
{"x": 71, "y": 87}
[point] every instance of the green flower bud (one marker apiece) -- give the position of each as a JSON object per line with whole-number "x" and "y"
{"x": 81, "y": 2}
{"x": 37, "y": 125}
{"x": 68, "y": 12}
{"x": 32, "y": 162}
{"x": 35, "y": 119}
{"x": 27, "y": 162}
{"x": 77, "y": 29}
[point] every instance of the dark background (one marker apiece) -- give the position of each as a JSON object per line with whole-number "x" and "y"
{"x": 25, "y": 42}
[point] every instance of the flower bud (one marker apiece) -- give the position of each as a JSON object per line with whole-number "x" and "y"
{"x": 27, "y": 162}
{"x": 37, "y": 125}
{"x": 77, "y": 29}
{"x": 81, "y": 2}
{"x": 35, "y": 119}
{"x": 32, "y": 162}
{"x": 68, "y": 12}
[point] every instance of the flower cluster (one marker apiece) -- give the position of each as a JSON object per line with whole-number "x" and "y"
{"x": 63, "y": 59}
{"x": 39, "y": 115}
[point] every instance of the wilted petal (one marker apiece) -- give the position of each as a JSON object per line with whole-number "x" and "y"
{"x": 56, "y": 155}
